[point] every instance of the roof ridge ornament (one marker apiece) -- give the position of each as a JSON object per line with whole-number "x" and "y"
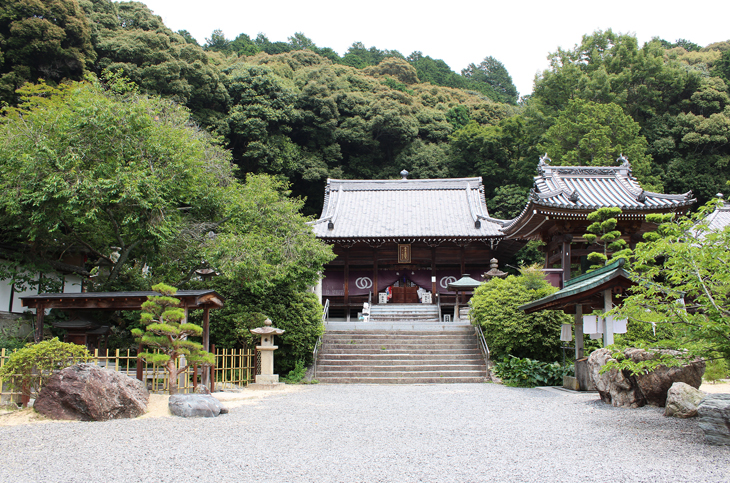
{"x": 624, "y": 162}
{"x": 543, "y": 163}
{"x": 642, "y": 197}
{"x": 404, "y": 175}
{"x": 574, "y": 196}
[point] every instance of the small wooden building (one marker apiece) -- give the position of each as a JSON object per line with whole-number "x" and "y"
{"x": 406, "y": 239}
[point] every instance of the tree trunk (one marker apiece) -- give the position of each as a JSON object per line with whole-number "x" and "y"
{"x": 173, "y": 373}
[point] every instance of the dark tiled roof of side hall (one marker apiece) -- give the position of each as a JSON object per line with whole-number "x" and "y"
{"x": 406, "y": 208}
{"x": 586, "y": 188}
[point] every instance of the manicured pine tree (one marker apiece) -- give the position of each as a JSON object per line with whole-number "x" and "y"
{"x": 603, "y": 231}
{"x": 167, "y": 332}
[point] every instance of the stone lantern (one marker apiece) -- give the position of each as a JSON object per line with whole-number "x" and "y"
{"x": 267, "y": 379}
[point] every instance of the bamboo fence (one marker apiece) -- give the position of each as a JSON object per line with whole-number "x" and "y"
{"x": 233, "y": 368}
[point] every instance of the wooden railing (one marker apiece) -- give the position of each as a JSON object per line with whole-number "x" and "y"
{"x": 234, "y": 368}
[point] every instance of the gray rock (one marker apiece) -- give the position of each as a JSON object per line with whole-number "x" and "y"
{"x": 622, "y": 389}
{"x": 196, "y": 406}
{"x": 655, "y": 385}
{"x": 682, "y": 400}
{"x": 87, "y": 392}
{"x": 714, "y": 413}
{"x": 617, "y": 388}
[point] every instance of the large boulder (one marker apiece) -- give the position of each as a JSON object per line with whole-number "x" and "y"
{"x": 195, "y": 406}
{"x": 655, "y": 385}
{"x": 622, "y": 389}
{"x": 617, "y": 388}
{"x": 682, "y": 400}
{"x": 87, "y": 392}
{"x": 714, "y": 412}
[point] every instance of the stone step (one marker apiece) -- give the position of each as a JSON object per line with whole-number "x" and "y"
{"x": 421, "y": 339}
{"x": 398, "y": 326}
{"x": 401, "y": 380}
{"x": 405, "y": 345}
{"x": 399, "y": 358}
{"x": 401, "y": 374}
{"x": 422, "y": 352}
{"x": 414, "y": 368}
{"x": 466, "y": 330}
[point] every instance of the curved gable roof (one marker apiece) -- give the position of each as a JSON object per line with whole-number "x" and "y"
{"x": 583, "y": 189}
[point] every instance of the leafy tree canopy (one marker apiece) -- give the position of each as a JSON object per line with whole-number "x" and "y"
{"x": 49, "y": 40}
{"x": 683, "y": 279}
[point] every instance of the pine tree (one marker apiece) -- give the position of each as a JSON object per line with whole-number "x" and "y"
{"x": 167, "y": 332}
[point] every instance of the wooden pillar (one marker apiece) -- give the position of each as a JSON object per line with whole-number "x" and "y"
{"x": 433, "y": 275}
{"x": 566, "y": 257}
{"x": 375, "y": 275}
{"x": 607, "y": 326}
{"x": 206, "y": 344}
{"x": 40, "y": 313}
{"x": 579, "y": 345}
{"x": 347, "y": 284}
{"x": 463, "y": 259}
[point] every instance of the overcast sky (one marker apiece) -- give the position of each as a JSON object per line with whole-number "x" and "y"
{"x": 519, "y": 33}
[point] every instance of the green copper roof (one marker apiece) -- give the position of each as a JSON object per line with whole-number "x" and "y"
{"x": 464, "y": 283}
{"x": 581, "y": 284}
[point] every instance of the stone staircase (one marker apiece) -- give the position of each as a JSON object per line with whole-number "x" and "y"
{"x": 400, "y": 312}
{"x": 400, "y": 356}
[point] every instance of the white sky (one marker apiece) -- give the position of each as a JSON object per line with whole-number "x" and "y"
{"x": 519, "y": 33}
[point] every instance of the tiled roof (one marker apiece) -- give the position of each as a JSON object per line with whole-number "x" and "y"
{"x": 581, "y": 288}
{"x": 418, "y": 208}
{"x": 720, "y": 218}
{"x": 586, "y": 188}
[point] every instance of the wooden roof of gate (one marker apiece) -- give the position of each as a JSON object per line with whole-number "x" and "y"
{"x": 190, "y": 299}
{"x": 585, "y": 290}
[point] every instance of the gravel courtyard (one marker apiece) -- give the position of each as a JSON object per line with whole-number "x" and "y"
{"x": 363, "y": 433}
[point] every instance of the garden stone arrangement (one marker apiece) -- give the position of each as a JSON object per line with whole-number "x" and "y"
{"x": 621, "y": 389}
{"x": 87, "y": 392}
{"x": 195, "y": 406}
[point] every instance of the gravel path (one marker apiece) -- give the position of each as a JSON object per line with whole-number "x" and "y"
{"x": 361, "y": 433}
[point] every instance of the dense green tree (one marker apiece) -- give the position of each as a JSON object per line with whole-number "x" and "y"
{"x": 507, "y": 330}
{"x": 188, "y": 37}
{"x": 244, "y": 46}
{"x": 130, "y": 40}
{"x": 492, "y": 72}
{"x": 592, "y": 134}
{"x": 85, "y": 170}
{"x": 218, "y": 43}
{"x": 683, "y": 279}
{"x": 49, "y": 40}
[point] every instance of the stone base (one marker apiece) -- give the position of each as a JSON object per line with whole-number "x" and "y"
{"x": 267, "y": 379}
{"x": 266, "y": 387}
{"x": 570, "y": 382}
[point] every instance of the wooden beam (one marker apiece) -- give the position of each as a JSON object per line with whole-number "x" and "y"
{"x": 40, "y": 314}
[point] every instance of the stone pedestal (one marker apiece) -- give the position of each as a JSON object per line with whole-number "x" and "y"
{"x": 267, "y": 379}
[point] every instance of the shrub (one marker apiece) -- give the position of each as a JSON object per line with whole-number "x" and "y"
{"x": 526, "y": 372}
{"x": 508, "y": 330}
{"x": 35, "y": 363}
{"x": 715, "y": 370}
{"x": 298, "y": 313}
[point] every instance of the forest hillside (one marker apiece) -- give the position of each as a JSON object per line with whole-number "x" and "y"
{"x": 304, "y": 113}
